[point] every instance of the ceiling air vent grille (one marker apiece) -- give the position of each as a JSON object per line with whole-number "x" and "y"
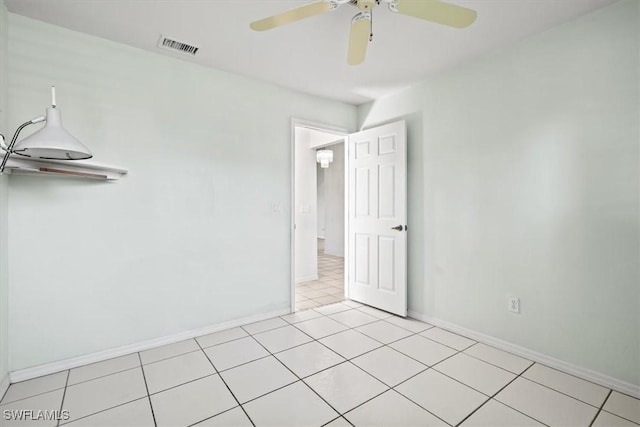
{"x": 175, "y": 45}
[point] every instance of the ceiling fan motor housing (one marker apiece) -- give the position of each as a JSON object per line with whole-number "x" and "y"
{"x": 366, "y": 4}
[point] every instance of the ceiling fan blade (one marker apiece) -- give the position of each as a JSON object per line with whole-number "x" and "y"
{"x": 359, "y": 38}
{"x": 292, "y": 15}
{"x": 437, "y": 11}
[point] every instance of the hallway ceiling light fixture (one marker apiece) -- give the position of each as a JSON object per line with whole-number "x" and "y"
{"x": 324, "y": 157}
{"x": 51, "y": 142}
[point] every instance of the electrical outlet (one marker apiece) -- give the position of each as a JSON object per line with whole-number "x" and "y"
{"x": 514, "y": 305}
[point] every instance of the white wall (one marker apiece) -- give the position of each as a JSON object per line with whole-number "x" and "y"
{"x": 189, "y": 238}
{"x": 306, "y": 208}
{"x": 321, "y": 201}
{"x": 531, "y": 188}
{"x": 334, "y": 202}
{"x": 4, "y": 190}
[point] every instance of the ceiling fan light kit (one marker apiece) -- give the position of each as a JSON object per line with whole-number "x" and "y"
{"x": 361, "y": 25}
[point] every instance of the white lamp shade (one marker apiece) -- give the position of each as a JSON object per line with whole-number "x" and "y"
{"x": 324, "y": 157}
{"x": 52, "y": 142}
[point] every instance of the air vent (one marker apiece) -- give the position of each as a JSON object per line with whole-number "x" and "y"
{"x": 175, "y": 45}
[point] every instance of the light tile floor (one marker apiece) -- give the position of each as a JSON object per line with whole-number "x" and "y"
{"x": 328, "y": 289}
{"x": 336, "y": 365}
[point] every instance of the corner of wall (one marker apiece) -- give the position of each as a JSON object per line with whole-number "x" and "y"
{"x": 4, "y": 291}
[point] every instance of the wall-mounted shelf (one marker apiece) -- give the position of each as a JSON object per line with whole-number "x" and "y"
{"x": 66, "y": 168}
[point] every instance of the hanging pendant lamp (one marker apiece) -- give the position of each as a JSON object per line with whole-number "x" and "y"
{"x": 51, "y": 142}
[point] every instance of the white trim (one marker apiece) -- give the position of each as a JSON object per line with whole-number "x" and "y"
{"x": 74, "y": 362}
{"x": 4, "y": 386}
{"x": 347, "y": 224}
{"x": 306, "y": 279}
{"x": 578, "y": 371}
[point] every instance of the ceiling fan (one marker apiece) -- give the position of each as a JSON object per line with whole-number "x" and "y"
{"x": 361, "y": 32}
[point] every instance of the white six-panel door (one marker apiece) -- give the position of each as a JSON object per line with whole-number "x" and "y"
{"x": 377, "y": 200}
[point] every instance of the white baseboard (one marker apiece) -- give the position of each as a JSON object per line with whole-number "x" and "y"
{"x": 584, "y": 373}
{"x": 306, "y": 279}
{"x": 74, "y": 362}
{"x": 4, "y": 386}
{"x": 338, "y": 254}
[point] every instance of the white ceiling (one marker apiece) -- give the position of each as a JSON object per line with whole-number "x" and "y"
{"x": 310, "y": 55}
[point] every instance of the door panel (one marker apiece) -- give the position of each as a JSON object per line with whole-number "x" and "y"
{"x": 386, "y": 264}
{"x": 386, "y": 202}
{"x": 362, "y": 259}
{"x": 363, "y": 192}
{"x": 377, "y": 266}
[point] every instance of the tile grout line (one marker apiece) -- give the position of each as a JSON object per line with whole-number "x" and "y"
{"x": 507, "y": 370}
{"x": 357, "y": 367}
{"x": 376, "y": 378}
{"x": 237, "y": 366}
{"x": 509, "y": 406}
{"x": 349, "y": 327}
{"x": 95, "y": 378}
{"x": 560, "y": 392}
{"x": 460, "y": 382}
{"x": 335, "y": 419}
{"x": 64, "y": 393}
{"x": 601, "y": 408}
{"x": 179, "y": 385}
{"x": 213, "y": 416}
{"x": 340, "y": 417}
{"x": 491, "y": 363}
{"x": 110, "y": 407}
{"x": 620, "y": 416}
{"x": 168, "y": 357}
{"x": 104, "y": 410}
{"x": 146, "y": 386}
{"x": 297, "y": 376}
{"x": 392, "y": 389}
{"x": 389, "y": 388}
{"x": 569, "y": 374}
{"x": 226, "y": 385}
{"x": 381, "y": 344}
{"x": 223, "y": 342}
{"x": 419, "y": 373}
{"x": 473, "y": 388}
{"x": 101, "y": 376}
{"x": 35, "y": 395}
{"x": 271, "y": 391}
{"x": 492, "y": 397}
{"x": 104, "y": 376}
{"x": 242, "y": 364}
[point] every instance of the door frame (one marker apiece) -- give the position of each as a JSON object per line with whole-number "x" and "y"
{"x": 340, "y": 132}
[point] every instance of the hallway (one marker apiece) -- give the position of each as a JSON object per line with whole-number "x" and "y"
{"x": 328, "y": 289}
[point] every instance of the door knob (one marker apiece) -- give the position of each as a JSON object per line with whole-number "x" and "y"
{"x": 397, "y": 227}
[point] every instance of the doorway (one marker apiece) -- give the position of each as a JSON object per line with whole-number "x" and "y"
{"x": 318, "y": 214}
{"x": 374, "y": 266}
